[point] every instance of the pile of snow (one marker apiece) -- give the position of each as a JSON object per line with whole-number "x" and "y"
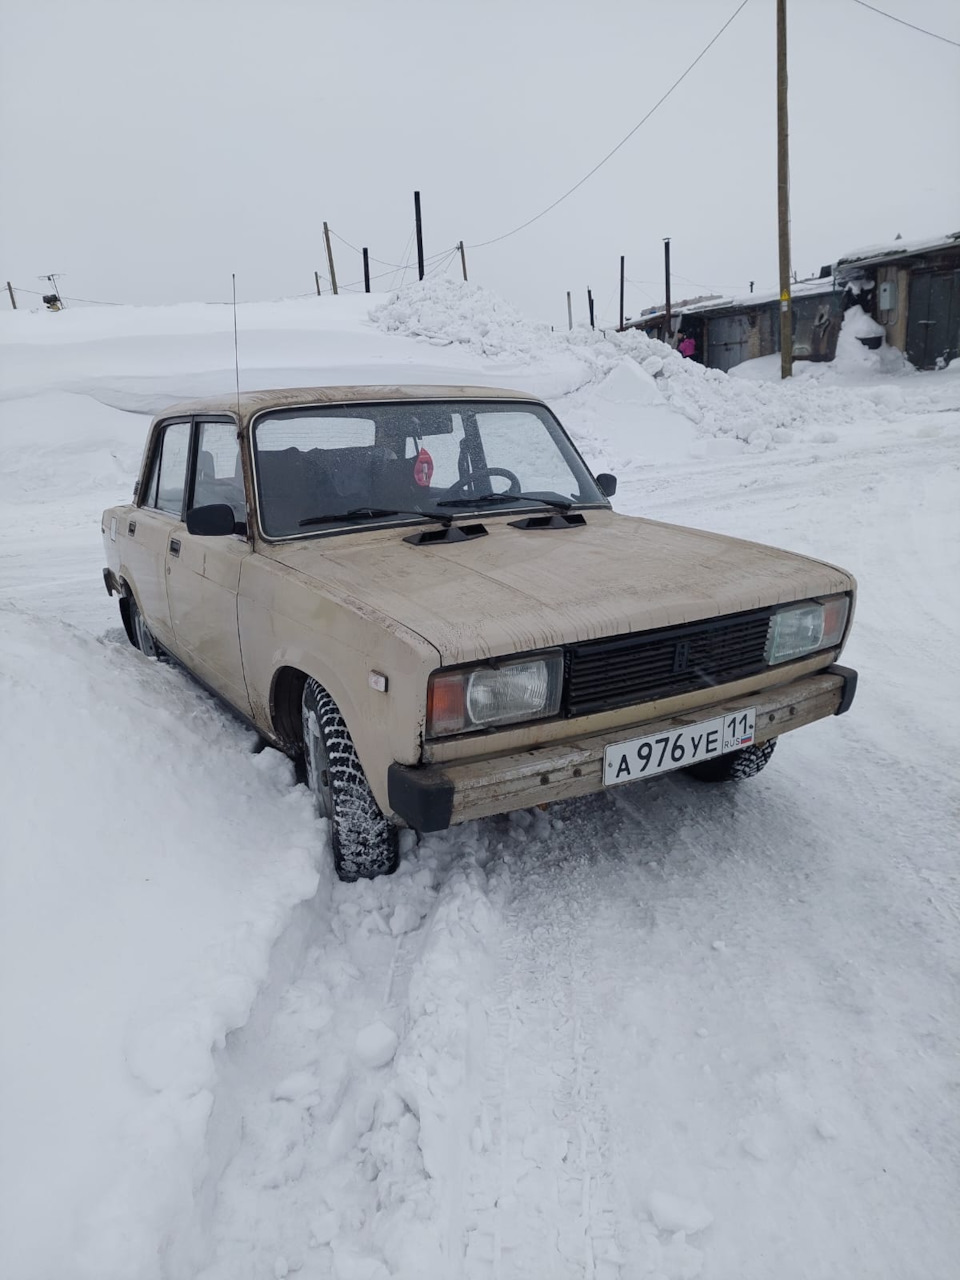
{"x": 759, "y": 414}
{"x": 647, "y": 1034}
{"x": 151, "y": 860}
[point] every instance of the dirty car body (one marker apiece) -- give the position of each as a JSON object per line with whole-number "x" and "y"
{"x": 442, "y": 564}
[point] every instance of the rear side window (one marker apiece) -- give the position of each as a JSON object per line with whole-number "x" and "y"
{"x": 174, "y": 453}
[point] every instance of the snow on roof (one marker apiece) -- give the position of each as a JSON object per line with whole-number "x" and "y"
{"x": 898, "y": 248}
{"x": 800, "y": 288}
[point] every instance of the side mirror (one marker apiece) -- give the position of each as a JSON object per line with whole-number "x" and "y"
{"x": 213, "y": 521}
{"x": 607, "y": 484}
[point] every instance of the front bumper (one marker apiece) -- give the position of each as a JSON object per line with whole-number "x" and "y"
{"x": 434, "y": 797}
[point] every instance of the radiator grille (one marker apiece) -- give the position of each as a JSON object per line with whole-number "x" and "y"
{"x": 605, "y": 674}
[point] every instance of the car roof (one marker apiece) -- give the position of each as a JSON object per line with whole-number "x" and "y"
{"x": 254, "y": 402}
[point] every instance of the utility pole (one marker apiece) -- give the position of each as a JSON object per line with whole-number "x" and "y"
{"x": 13, "y": 300}
{"x": 783, "y": 196}
{"x": 332, "y": 269}
{"x": 366, "y": 270}
{"x": 622, "y": 268}
{"x": 569, "y": 310}
{"x": 590, "y": 307}
{"x": 316, "y": 280}
{"x": 668, "y": 319}
{"x": 416, "y": 210}
{"x": 463, "y": 259}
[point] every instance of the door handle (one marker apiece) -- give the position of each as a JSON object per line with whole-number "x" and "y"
{"x": 174, "y": 546}
{"x": 132, "y": 528}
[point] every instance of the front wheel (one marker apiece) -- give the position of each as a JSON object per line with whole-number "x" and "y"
{"x": 365, "y": 844}
{"x": 736, "y": 765}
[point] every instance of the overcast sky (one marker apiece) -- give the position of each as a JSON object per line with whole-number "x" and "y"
{"x": 150, "y": 147}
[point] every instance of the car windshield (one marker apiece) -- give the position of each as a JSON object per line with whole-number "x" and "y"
{"x": 360, "y": 464}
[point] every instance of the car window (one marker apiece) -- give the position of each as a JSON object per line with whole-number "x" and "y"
{"x": 219, "y": 475}
{"x": 174, "y": 452}
{"x": 519, "y": 442}
{"x": 318, "y": 466}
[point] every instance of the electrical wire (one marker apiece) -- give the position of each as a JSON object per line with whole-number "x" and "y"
{"x": 659, "y": 103}
{"x": 379, "y": 261}
{"x": 903, "y": 23}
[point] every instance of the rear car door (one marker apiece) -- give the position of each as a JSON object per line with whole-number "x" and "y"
{"x": 155, "y": 525}
{"x": 203, "y": 573}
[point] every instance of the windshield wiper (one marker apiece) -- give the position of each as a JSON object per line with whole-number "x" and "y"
{"x": 559, "y": 504}
{"x": 370, "y": 513}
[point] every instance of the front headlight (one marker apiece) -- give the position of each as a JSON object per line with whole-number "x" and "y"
{"x": 485, "y": 696}
{"x": 806, "y": 628}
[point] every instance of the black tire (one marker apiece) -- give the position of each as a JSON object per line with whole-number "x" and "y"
{"x": 737, "y": 765}
{"x": 142, "y": 635}
{"x": 364, "y": 843}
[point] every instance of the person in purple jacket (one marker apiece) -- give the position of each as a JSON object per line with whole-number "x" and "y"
{"x": 687, "y": 346}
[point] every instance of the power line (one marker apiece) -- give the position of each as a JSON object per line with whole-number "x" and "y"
{"x": 379, "y": 261}
{"x": 903, "y": 23}
{"x": 659, "y": 103}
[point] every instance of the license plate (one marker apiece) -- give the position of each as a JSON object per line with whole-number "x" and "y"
{"x": 677, "y": 748}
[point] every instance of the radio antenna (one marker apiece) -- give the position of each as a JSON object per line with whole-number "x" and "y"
{"x": 236, "y": 349}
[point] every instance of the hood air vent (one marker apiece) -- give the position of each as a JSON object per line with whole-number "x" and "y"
{"x": 557, "y": 520}
{"x": 449, "y": 533}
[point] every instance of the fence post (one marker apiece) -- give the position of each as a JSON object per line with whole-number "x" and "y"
{"x": 590, "y": 305}
{"x": 316, "y": 278}
{"x": 416, "y": 212}
{"x": 333, "y": 274}
{"x": 622, "y": 269}
{"x": 463, "y": 259}
{"x": 569, "y": 311}
{"x": 366, "y": 270}
{"x": 13, "y": 300}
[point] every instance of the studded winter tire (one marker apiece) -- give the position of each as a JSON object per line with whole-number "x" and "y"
{"x": 735, "y": 766}
{"x": 365, "y": 844}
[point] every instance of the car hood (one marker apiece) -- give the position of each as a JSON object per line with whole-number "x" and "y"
{"x": 518, "y": 590}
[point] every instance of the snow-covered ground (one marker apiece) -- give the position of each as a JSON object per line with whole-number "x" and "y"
{"x": 670, "y": 1031}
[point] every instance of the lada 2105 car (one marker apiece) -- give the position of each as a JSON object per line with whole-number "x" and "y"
{"x": 425, "y": 593}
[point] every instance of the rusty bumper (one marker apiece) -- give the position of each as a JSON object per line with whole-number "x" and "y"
{"x": 433, "y": 797}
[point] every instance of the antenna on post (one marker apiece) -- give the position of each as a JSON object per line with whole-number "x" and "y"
{"x": 236, "y": 349}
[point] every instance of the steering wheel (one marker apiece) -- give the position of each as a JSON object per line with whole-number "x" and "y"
{"x": 514, "y": 488}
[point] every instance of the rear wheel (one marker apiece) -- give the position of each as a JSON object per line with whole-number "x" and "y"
{"x": 365, "y": 844}
{"x": 142, "y": 635}
{"x": 737, "y": 765}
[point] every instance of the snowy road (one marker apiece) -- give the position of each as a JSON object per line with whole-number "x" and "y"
{"x": 640, "y": 1013}
{"x": 670, "y": 1031}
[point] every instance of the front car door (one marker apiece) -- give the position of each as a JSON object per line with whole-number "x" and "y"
{"x": 156, "y": 524}
{"x": 203, "y": 574}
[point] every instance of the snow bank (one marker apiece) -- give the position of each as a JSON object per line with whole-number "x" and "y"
{"x": 150, "y": 860}
{"x": 759, "y": 414}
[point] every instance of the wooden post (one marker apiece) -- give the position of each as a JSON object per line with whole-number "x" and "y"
{"x": 366, "y": 270}
{"x": 569, "y": 311}
{"x": 668, "y": 319}
{"x": 13, "y": 300}
{"x": 330, "y": 266}
{"x": 783, "y": 196}
{"x": 316, "y": 279}
{"x": 622, "y": 269}
{"x": 463, "y": 259}
{"x": 416, "y": 212}
{"x": 590, "y": 307}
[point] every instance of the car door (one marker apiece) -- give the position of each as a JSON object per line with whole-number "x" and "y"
{"x": 203, "y": 573}
{"x": 155, "y": 525}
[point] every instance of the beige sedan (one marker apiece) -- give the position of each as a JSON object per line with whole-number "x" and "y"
{"x": 424, "y": 593}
